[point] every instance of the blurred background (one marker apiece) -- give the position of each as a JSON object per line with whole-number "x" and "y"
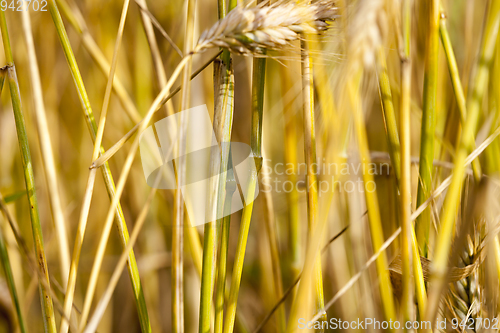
{"x": 281, "y": 204}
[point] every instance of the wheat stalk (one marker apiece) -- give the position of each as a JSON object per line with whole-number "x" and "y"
{"x": 448, "y": 216}
{"x": 27, "y": 167}
{"x": 249, "y": 30}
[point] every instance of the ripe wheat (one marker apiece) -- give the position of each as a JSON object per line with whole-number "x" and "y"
{"x": 250, "y": 30}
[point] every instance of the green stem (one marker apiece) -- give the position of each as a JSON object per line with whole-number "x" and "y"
{"x": 223, "y": 122}
{"x": 223, "y": 249}
{"x": 428, "y": 125}
{"x": 493, "y": 150}
{"x": 420, "y": 290}
{"x": 29, "y": 178}
{"x": 455, "y": 80}
{"x": 389, "y": 115}
{"x": 291, "y": 143}
{"x": 178, "y": 223}
{"x": 478, "y": 87}
{"x": 407, "y": 231}
{"x": 404, "y": 151}
{"x": 77, "y": 22}
{"x": 47, "y": 152}
{"x": 311, "y": 160}
{"x": 372, "y": 205}
{"x": 258, "y": 79}
{"x": 4, "y": 258}
{"x": 108, "y": 178}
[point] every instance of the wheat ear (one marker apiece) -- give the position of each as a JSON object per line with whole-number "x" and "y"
{"x": 250, "y": 30}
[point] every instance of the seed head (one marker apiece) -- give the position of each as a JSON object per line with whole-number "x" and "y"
{"x": 250, "y": 30}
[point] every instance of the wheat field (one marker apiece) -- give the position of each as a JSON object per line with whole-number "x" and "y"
{"x": 235, "y": 166}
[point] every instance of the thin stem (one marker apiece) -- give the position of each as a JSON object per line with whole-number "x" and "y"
{"x": 405, "y": 183}
{"x": 455, "y": 80}
{"x": 47, "y": 152}
{"x": 478, "y": 88}
{"x": 294, "y": 284}
{"x": 111, "y": 151}
{"x": 226, "y": 188}
{"x": 311, "y": 160}
{"x": 222, "y": 78}
{"x": 428, "y": 124}
{"x": 371, "y": 199}
{"x": 389, "y": 114}
{"x": 290, "y": 153}
{"x": 452, "y": 66}
{"x": 196, "y": 249}
{"x": 144, "y": 10}
{"x": 4, "y": 258}
{"x": 109, "y": 83}
{"x": 258, "y": 79}
{"x": 223, "y": 121}
{"x": 22, "y": 137}
{"x": 77, "y": 248}
{"x": 108, "y": 179}
{"x": 91, "y": 179}
{"x": 115, "y": 201}
{"x": 493, "y": 151}
{"x": 178, "y": 221}
{"x": 30, "y": 260}
{"x": 447, "y": 181}
{"x": 356, "y": 277}
{"x": 106, "y": 297}
{"x": 161, "y": 77}
{"x": 405, "y": 197}
{"x": 223, "y": 250}
{"x": 75, "y": 18}
{"x": 307, "y": 277}
{"x": 270, "y": 223}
